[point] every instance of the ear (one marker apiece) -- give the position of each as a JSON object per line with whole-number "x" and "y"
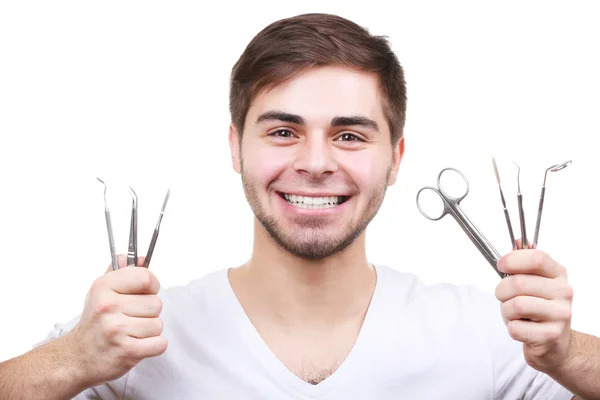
{"x": 397, "y": 154}
{"x": 234, "y": 146}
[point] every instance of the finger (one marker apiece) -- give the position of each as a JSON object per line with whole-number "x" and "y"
{"x": 133, "y": 281}
{"x": 535, "y": 309}
{"x": 534, "y": 333}
{"x": 529, "y": 261}
{"x": 146, "y": 347}
{"x": 144, "y": 327}
{"x": 520, "y": 244}
{"x": 140, "y": 305}
{"x": 533, "y": 285}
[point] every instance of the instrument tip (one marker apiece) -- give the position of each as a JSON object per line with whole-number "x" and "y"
{"x": 133, "y": 195}
{"x": 166, "y": 200}
{"x": 496, "y": 169}
{"x": 518, "y": 176}
{"x": 558, "y": 167}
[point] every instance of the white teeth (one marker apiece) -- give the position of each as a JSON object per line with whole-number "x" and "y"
{"x": 313, "y": 202}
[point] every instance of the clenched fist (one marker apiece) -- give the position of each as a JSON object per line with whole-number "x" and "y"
{"x": 120, "y": 323}
{"x": 537, "y": 306}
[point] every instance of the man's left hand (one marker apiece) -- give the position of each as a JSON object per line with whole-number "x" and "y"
{"x": 536, "y": 306}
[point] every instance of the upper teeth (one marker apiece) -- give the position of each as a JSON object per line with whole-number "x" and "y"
{"x": 313, "y": 201}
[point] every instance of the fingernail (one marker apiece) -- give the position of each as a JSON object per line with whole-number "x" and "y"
{"x": 500, "y": 265}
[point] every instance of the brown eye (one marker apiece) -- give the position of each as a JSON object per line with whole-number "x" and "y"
{"x": 282, "y": 133}
{"x": 349, "y": 137}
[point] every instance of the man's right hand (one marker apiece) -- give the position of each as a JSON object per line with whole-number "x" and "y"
{"x": 120, "y": 323}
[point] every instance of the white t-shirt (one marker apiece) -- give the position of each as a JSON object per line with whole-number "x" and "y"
{"x": 417, "y": 342}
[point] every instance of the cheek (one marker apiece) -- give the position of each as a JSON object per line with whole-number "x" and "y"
{"x": 264, "y": 164}
{"x": 365, "y": 168}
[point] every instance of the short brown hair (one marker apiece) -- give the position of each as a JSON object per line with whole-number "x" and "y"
{"x": 290, "y": 46}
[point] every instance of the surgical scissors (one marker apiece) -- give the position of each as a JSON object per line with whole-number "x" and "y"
{"x": 132, "y": 253}
{"x": 452, "y": 207}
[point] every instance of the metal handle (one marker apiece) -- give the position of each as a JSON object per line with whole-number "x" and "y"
{"x": 539, "y": 218}
{"x": 111, "y": 242}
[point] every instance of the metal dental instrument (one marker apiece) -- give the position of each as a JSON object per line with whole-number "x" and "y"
{"x": 452, "y": 207}
{"x": 553, "y": 168}
{"x": 132, "y": 250}
{"x": 132, "y": 253}
{"x": 156, "y": 230}
{"x": 524, "y": 244}
{"x": 506, "y": 215}
{"x": 111, "y": 240}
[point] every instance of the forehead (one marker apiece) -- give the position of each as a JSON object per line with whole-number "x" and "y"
{"x": 322, "y": 93}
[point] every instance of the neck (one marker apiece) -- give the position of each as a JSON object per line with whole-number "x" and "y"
{"x": 304, "y": 291}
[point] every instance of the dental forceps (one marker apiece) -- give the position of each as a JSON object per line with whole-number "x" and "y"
{"x": 452, "y": 207}
{"x": 132, "y": 253}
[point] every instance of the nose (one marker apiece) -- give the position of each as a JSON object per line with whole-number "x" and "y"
{"x": 315, "y": 157}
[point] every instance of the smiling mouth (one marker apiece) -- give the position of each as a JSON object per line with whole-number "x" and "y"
{"x": 314, "y": 202}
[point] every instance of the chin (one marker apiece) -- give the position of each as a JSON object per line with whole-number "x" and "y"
{"x": 311, "y": 238}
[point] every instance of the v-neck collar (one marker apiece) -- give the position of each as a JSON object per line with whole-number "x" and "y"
{"x": 280, "y": 374}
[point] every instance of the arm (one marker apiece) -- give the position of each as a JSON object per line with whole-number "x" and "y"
{"x": 119, "y": 327}
{"x": 580, "y": 372}
{"x": 51, "y": 371}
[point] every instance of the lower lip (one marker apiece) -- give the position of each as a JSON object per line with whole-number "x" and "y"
{"x": 312, "y": 211}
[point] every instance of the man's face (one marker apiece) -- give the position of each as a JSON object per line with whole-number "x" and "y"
{"x": 316, "y": 159}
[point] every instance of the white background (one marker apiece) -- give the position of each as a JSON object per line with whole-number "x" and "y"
{"x": 136, "y": 92}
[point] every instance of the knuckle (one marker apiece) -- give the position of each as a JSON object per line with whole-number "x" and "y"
{"x": 506, "y": 309}
{"x": 566, "y": 314}
{"x": 159, "y": 346}
{"x": 104, "y": 306}
{"x": 144, "y": 278}
{"x": 512, "y": 330}
{"x": 111, "y": 329}
{"x": 539, "y": 260}
{"x": 554, "y": 333}
{"x": 520, "y": 283}
{"x": 568, "y": 292}
{"x": 154, "y": 305}
{"x": 159, "y": 326}
{"x": 158, "y": 305}
{"x": 518, "y": 306}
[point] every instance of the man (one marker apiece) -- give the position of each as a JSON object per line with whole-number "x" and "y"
{"x": 318, "y": 109}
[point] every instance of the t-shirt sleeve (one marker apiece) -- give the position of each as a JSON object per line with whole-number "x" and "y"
{"x": 513, "y": 377}
{"x": 113, "y": 390}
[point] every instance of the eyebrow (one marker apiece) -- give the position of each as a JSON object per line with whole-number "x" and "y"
{"x": 355, "y": 121}
{"x": 281, "y": 116}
